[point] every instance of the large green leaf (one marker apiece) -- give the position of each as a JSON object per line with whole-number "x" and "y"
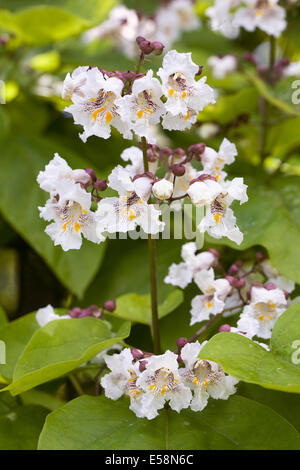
{"x": 89, "y": 423}
{"x": 137, "y": 308}
{"x": 285, "y": 341}
{"x": 271, "y": 218}
{"x": 75, "y": 269}
{"x": 42, "y": 25}
{"x": 20, "y": 426}
{"x": 59, "y": 347}
{"x": 249, "y": 362}
{"x": 16, "y": 335}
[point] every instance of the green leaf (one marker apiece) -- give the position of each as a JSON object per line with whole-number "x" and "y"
{"x": 137, "y": 308}
{"x": 285, "y": 341}
{"x": 20, "y": 428}
{"x": 247, "y": 361}
{"x": 59, "y": 347}
{"x": 76, "y": 268}
{"x": 16, "y": 335}
{"x": 271, "y": 214}
{"x": 92, "y": 423}
{"x": 42, "y": 25}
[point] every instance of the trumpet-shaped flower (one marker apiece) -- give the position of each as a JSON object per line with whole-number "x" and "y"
{"x": 185, "y": 96}
{"x": 222, "y": 18}
{"x": 214, "y": 162}
{"x": 264, "y": 14}
{"x": 46, "y": 314}
{"x": 98, "y": 111}
{"x": 212, "y": 300}
{"x": 205, "y": 378}
{"x": 222, "y": 66}
{"x": 161, "y": 383}
{"x": 143, "y": 106}
{"x": 73, "y": 84}
{"x": 259, "y": 317}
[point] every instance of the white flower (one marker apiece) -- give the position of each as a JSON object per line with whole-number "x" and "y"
{"x": 259, "y": 317}
{"x": 219, "y": 220}
{"x": 214, "y": 162}
{"x": 183, "y": 273}
{"x": 162, "y": 189}
{"x": 214, "y": 295}
{"x": 185, "y": 10}
{"x": 98, "y": 111}
{"x": 207, "y": 130}
{"x": 185, "y": 96}
{"x": 161, "y": 383}
{"x": 123, "y": 379}
{"x": 205, "y": 378}
{"x": 73, "y": 83}
{"x": 69, "y": 208}
{"x": 135, "y": 156}
{"x": 247, "y": 335}
{"x": 222, "y": 66}
{"x": 131, "y": 208}
{"x": 202, "y": 193}
{"x": 58, "y": 170}
{"x": 46, "y": 314}
{"x": 279, "y": 281}
{"x": 143, "y": 106}
{"x": 221, "y": 18}
{"x": 264, "y": 14}
{"x": 100, "y": 357}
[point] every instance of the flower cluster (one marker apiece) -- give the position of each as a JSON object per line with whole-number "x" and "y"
{"x": 132, "y": 102}
{"x": 124, "y": 25}
{"x": 228, "y": 16}
{"x": 257, "y": 291}
{"x": 151, "y": 381}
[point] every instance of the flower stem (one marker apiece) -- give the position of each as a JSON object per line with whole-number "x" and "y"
{"x": 153, "y": 272}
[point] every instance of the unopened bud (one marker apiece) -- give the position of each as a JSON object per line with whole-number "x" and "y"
{"x": 142, "y": 365}
{"x": 100, "y": 185}
{"x": 260, "y": 256}
{"x": 179, "y": 359}
{"x": 75, "y": 312}
{"x": 270, "y": 286}
{"x": 231, "y": 280}
{"x": 91, "y": 174}
{"x": 140, "y": 39}
{"x": 146, "y": 47}
{"x": 224, "y": 328}
{"x": 197, "y": 150}
{"x": 179, "y": 152}
{"x": 137, "y": 354}
{"x": 177, "y": 170}
{"x": 286, "y": 294}
{"x": 200, "y": 69}
{"x": 234, "y": 269}
{"x": 128, "y": 76}
{"x": 249, "y": 57}
{"x": 240, "y": 283}
{"x": 109, "y": 305}
{"x": 163, "y": 189}
{"x": 181, "y": 342}
{"x": 158, "y": 47}
{"x": 214, "y": 252}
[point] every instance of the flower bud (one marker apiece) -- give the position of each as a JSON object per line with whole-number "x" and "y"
{"x": 224, "y": 328}
{"x": 91, "y": 174}
{"x": 240, "y": 283}
{"x": 181, "y": 342}
{"x": 270, "y": 286}
{"x": 137, "y": 354}
{"x": 75, "y": 312}
{"x": 231, "y": 280}
{"x": 260, "y": 256}
{"x": 234, "y": 269}
{"x": 140, "y": 39}
{"x": 109, "y": 305}
{"x": 249, "y": 57}
{"x": 162, "y": 189}
{"x": 100, "y": 185}
{"x": 179, "y": 359}
{"x": 197, "y": 150}
{"x": 286, "y": 294}
{"x": 128, "y": 76}
{"x": 179, "y": 152}
{"x": 158, "y": 47}
{"x": 200, "y": 69}
{"x": 177, "y": 170}
{"x": 146, "y": 47}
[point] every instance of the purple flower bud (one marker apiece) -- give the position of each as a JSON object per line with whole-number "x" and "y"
{"x": 215, "y": 252}
{"x": 100, "y": 185}
{"x": 166, "y": 151}
{"x": 179, "y": 359}
{"x": 234, "y": 269}
{"x": 181, "y": 342}
{"x": 177, "y": 170}
{"x": 75, "y": 312}
{"x": 231, "y": 280}
{"x": 270, "y": 286}
{"x": 203, "y": 178}
{"x": 109, "y": 305}
{"x": 137, "y": 354}
{"x": 158, "y": 48}
{"x": 260, "y": 256}
{"x": 286, "y": 294}
{"x": 249, "y": 57}
{"x": 4, "y": 38}
{"x": 142, "y": 365}
{"x": 128, "y": 76}
{"x": 140, "y": 39}
{"x": 200, "y": 69}
{"x": 91, "y": 174}
{"x": 179, "y": 152}
{"x": 197, "y": 150}
{"x": 146, "y": 47}
{"x": 240, "y": 283}
{"x": 85, "y": 312}
{"x": 224, "y": 328}
{"x": 95, "y": 311}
